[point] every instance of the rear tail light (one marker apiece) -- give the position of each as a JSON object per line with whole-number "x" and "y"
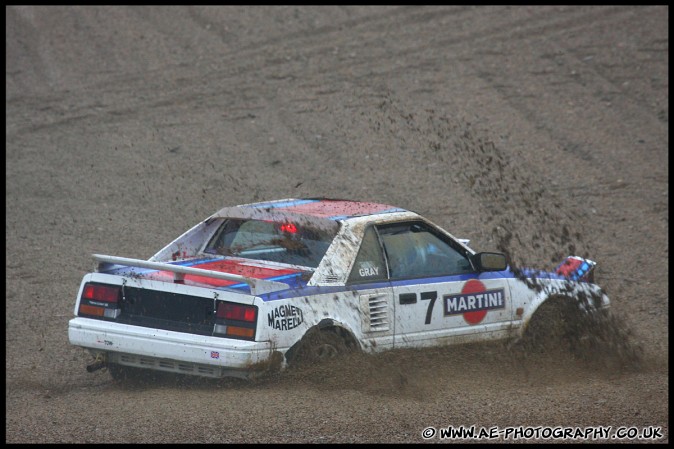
{"x": 235, "y": 321}
{"x": 100, "y": 300}
{"x": 238, "y": 312}
{"x": 106, "y": 293}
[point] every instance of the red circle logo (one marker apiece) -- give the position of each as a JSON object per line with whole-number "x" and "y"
{"x": 470, "y": 287}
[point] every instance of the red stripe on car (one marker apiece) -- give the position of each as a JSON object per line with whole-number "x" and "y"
{"x": 224, "y": 266}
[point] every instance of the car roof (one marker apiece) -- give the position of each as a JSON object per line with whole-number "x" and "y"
{"x": 333, "y": 209}
{"x": 316, "y": 210}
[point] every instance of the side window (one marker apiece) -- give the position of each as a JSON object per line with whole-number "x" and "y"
{"x": 369, "y": 265}
{"x": 414, "y": 250}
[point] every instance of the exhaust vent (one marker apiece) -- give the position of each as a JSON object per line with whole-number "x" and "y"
{"x": 377, "y": 317}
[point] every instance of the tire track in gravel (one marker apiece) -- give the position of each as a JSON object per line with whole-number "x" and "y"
{"x": 376, "y": 21}
{"x": 250, "y": 64}
{"x": 194, "y": 95}
{"x": 487, "y": 43}
{"x": 318, "y": 47}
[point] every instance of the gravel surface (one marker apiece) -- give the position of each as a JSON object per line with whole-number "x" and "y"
{"x": 539, "y": 131}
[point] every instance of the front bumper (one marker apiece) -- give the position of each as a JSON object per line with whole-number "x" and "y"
{"x": 168, "y": 350}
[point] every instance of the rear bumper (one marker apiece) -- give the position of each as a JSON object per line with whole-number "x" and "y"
{"x": 160, "y": 349}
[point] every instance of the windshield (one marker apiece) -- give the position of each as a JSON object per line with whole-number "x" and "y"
{"x": 273, "y": 241}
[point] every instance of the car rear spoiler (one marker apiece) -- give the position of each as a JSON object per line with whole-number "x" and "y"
{"x": 257, "y": 286}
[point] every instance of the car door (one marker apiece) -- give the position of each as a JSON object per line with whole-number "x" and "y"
{"x": 437, "y": 294}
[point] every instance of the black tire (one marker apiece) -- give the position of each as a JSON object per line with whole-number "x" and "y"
{"x": 318, "y": 346}
{"x": 555, "y": 325}
{"x": 598, "y": 338}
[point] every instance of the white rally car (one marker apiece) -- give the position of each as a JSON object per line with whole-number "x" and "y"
{"x": 263, "y": 285}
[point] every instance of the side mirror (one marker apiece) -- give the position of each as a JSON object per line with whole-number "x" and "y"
{"x": 489, "y": 261}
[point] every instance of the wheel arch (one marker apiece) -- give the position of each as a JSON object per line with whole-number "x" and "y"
{"x": 536, "y": 305}
{"x": 586, "y": 296}
{"x": 328, "y": 325}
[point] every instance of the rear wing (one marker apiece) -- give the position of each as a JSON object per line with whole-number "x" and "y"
{"x": 257, "y": 286}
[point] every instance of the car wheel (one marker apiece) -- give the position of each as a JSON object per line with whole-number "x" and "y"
{"x": 598, "y": 338}
{"x": 318, "y": 346}
{"x": 553, "y": 325}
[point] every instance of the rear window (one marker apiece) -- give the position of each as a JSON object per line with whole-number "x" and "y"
{"x": 283, "y": 242}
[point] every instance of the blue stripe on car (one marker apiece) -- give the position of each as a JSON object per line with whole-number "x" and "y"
{"x": 298, "y": 291}
{"x": 183, "y": 263}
